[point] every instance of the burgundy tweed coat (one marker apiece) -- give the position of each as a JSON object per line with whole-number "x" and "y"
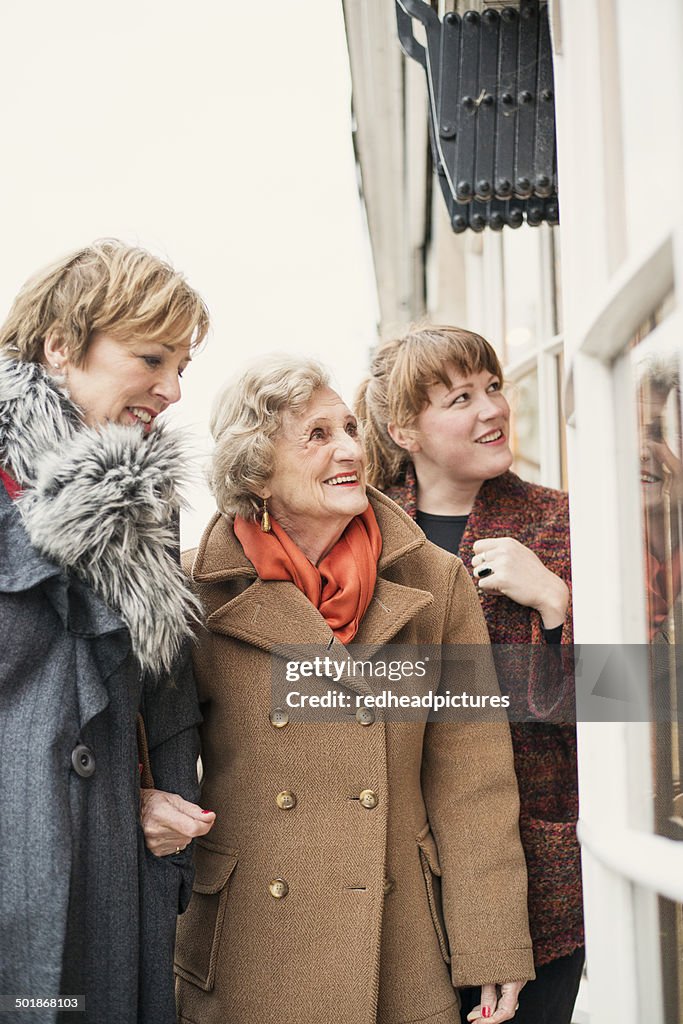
{"x": 545, "y": 753}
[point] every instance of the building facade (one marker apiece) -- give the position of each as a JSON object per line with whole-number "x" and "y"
{"x": 586, "y": 318}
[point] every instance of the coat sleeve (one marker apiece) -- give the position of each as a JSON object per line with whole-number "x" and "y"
{"x": 472, "y": 802}
{"x": 549, "y": 538}
{"x": 171, "y": 714}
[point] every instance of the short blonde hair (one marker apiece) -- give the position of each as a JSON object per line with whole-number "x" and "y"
{"x": 401, "y": 374}
{"x": 107, "y": 287}
{"x": 245, "y": 421}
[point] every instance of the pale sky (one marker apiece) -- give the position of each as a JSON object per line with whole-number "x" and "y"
{"x": 218, "y": 136}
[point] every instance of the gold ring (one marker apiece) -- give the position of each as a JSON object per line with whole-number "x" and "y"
{"x": 178, "y": 850}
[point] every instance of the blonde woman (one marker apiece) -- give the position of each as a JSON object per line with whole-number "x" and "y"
{"x": 96, "y": 616}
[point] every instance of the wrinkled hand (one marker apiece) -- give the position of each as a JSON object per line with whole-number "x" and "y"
{"x": 500, "y": 1006}
{"x": 169, "y": 822}
{"x": 517, "y": 573}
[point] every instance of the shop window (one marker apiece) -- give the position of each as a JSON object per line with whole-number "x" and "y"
{"x": 656, "y": 362}
{"x": 531, "y": 290}
{"x": 522, "y": 296}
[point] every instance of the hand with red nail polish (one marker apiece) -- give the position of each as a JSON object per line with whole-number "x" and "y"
{"x": 487, "y": 1003}
{"x": 498, "y": 1002}
{"x": 171, "y": 823}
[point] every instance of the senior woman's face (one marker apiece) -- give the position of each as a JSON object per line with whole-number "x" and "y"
{"x": 127, "y": 382}
{"x": 319, "y": 476}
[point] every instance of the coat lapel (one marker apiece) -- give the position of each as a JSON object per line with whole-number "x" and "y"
{"x": 82, "y": 613}
{"x": 271, "y": 614}
{"x": 392, "y": 607}
{"x": 274, "y": 615}
{"x": 21, "y": 566}
{"x": 500, "y": 510}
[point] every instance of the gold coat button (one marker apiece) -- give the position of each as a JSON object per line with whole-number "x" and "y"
{"x": 285, "y": 800}
{"x": 279, "y": 718}
{"x": 365, "y": 716}
{"x": 368, "y": 798}
{"x": 278, "y": 888}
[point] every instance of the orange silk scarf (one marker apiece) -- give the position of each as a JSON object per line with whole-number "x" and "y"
{"x": 340, "y": 586}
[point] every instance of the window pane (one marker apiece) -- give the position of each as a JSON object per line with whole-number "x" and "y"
{"x": 523, "y": 397}
{"x": 656, "y": 361}
{"x": 522, "y": 270}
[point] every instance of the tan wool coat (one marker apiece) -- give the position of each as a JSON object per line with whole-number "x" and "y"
{"x": 314, "y": 903}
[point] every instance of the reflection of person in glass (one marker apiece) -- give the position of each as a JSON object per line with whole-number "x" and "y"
{"x": 661, "y": 481}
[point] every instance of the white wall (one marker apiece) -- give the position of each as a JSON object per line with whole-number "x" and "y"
{"x": 217, "y": 135}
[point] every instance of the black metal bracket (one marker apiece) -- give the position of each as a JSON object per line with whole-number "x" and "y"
{"x": 491, "y": 111}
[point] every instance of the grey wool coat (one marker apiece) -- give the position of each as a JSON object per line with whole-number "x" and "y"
{"x": 85, "y": 909}
{"x": 390, "y": 902}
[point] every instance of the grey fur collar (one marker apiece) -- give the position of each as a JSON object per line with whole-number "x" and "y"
{"x": 101, "y": 503}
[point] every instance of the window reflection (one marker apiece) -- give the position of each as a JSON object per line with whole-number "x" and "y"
{"x": 661, "y": 485}
{"x": 657, "y": 363}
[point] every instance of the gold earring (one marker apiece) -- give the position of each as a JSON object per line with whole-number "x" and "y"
{"x": 265, "y": 518}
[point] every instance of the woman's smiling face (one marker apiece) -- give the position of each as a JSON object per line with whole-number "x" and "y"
{"x": 127, "y": 382}
{"x": 318, "y": 481}
{"x": 464, "y": 430}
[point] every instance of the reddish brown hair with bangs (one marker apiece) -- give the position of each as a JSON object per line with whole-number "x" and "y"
{"x": 401, "y": 374}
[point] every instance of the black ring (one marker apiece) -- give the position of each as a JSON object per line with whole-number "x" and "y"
{"x": 483, "y": 573}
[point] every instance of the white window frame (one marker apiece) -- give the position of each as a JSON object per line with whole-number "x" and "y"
{"x": 626, "y": 866}
{"x": 544, "y": 361}
{"x": 485, "y": 287}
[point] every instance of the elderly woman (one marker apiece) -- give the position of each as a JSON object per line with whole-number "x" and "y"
{"x": 317, "y": 894}
{"x": 95, "y": 613}
{"x": 437, "y": 426}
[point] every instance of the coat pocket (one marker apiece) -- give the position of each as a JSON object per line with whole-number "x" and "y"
{"x": 431, "y": 871}
{"x": 200, "y": 927}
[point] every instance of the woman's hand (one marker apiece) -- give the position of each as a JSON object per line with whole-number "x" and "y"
{"x": 169, "y": 822}
{"x": 517, "y": 573}
{"x": 500, "y": 1007}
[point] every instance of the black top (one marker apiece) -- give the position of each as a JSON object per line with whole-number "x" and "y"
{"x": 446, "y": 532}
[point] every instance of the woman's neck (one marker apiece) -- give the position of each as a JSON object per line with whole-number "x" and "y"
{"x": 315, "y": 540}
{"x": 438, "y": 495}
